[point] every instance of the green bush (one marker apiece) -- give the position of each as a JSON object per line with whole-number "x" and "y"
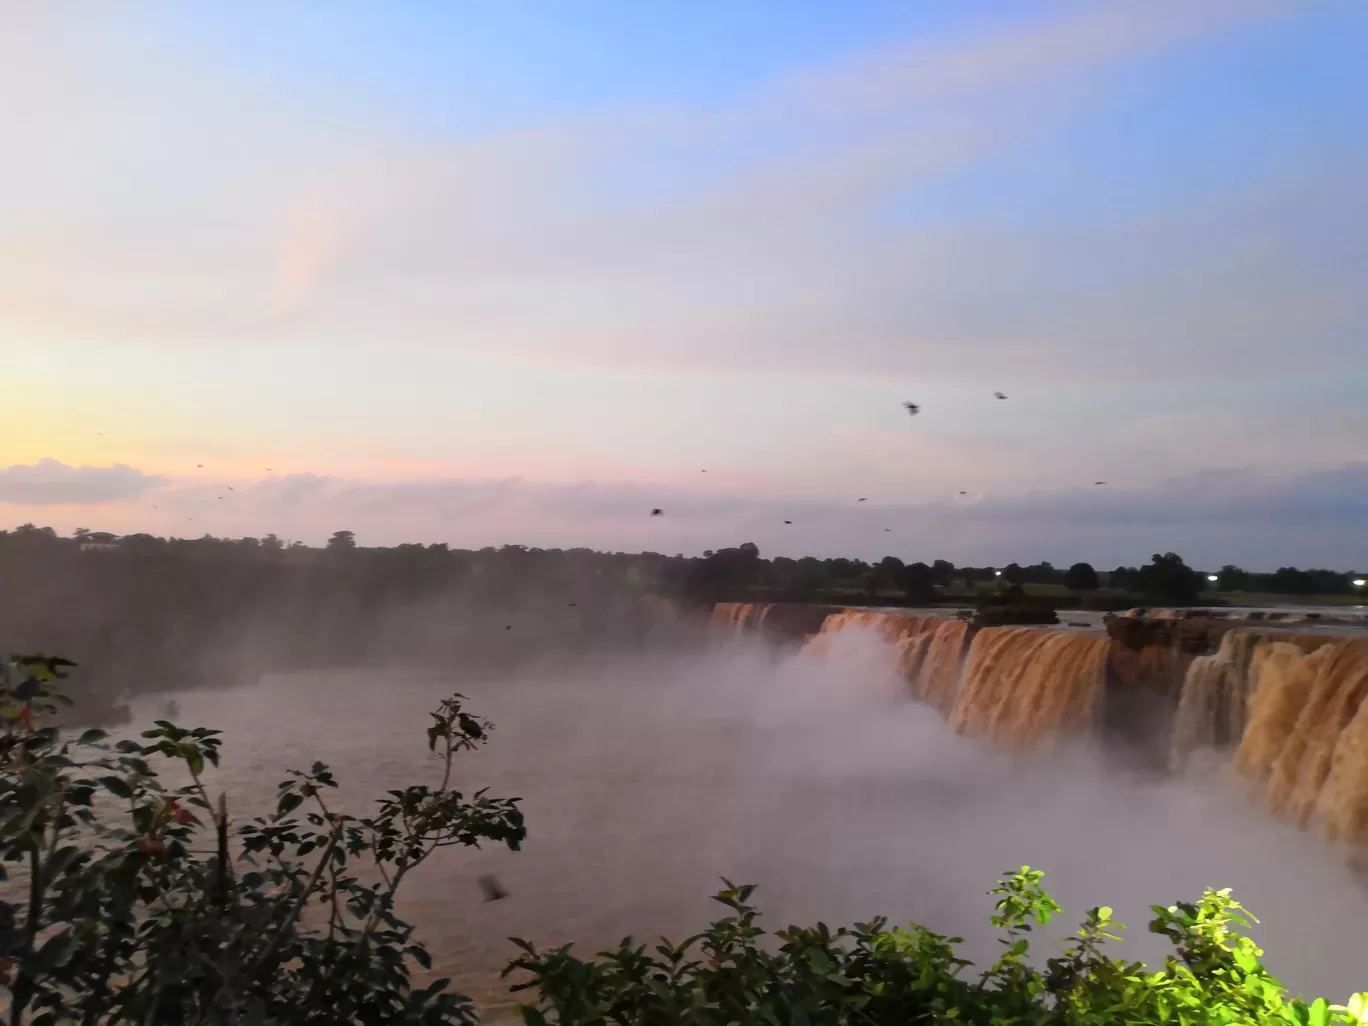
{"x": 150, "y": 910}
{"x": 734, "y": 973}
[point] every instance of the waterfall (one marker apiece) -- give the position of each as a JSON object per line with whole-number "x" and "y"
{"x": 1303, "y": 765}
{"x": 892, "y": 626}
{"x": 1284, "y": 675}
{"x": 938, "y": 676}
{"x": 738, "y": 618}
{"x": 1022, "y": 686}
{"x": 1018, "y": 685}
{"x": 1289, "y": 710}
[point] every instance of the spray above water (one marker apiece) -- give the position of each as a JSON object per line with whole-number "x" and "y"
{"x": 818, "y": 772}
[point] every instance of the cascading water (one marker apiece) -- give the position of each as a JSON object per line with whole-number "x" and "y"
{"x": 1023, "y": 686}
{"x": 1291, "y": 709}
{"x": 1303, "y": 767}
{"x": 938, "y": 675}
{"x": 892, "y": 627}
{"x": 738, "y": 618}
{"x": 1284, "y": 677}
{"x": 1218, "y": 690}
{"x": 1018, "y": 686}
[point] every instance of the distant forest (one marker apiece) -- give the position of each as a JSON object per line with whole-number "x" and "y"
{"x": 144, "y": 613}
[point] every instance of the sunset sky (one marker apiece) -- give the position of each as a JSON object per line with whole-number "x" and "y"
{"x": 489, "y": 272}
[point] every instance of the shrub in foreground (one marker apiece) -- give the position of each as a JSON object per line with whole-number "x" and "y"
{"x": 130, "y": 901}
{"x": 736, "y": 973}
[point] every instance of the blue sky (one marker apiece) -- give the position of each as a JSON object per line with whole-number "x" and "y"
{"x": 551, "y": 251}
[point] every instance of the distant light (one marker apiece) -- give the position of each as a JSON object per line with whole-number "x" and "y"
{"x": 998, "y": 573}
{"x": 1360, "y": 583}
{"x": 1213, "y": 577}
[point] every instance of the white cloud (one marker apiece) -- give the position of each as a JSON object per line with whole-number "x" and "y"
{"x": 270, "y": 219}
{"x": 52, "y": 483}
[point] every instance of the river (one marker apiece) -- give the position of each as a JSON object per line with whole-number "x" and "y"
{"x": 644, "y": 781}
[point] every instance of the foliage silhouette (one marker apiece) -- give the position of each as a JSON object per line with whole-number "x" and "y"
{"x": 868, "y": 974}
{"x": 143, "y": 905}
{"x": 1081, "y": 577}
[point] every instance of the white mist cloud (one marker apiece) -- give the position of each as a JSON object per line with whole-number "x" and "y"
{"x": 52, "y": 483}
{"x": 646, "y": 780}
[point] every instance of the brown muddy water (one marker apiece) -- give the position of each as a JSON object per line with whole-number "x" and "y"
{"x": 645, "y": 781}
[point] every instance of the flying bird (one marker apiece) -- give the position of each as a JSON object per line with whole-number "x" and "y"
{"x": 964, "y": 493}
{"x": 657, "y": 512}
{"x": 1099, "y": 482}
{"x": 508, "y": 626}
{"x": 200, "y": 466}
{"x": 887, "y": 530}
{"x": 861, "y": 500}
{"x": 912, "y": 409}
{"x": 788, "y": 521}
{"x": 998, "y": 395}
{"x": 230, "y": 488}
{"x": 492, "y": 889}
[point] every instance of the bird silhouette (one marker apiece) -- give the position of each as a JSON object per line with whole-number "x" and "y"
{"x": 912, "y": 409}
{"x": 230, "y": 488}
{"x": 998, "y": 395}
{"x": 704, "y": 470}
{"x": 573, "y": 604}
{"x": 657, "y": 512}
{"x": 1099, "y": 482}
{"x": 200, "y": 466}
{"x": 788, "y": 521}
{"x": 887, "y": 530}
{"x": 508, "y": 626}
{"x": 861, "y": 500}
{"x": 493, "y": 890}
{"x": 964, "y": 493}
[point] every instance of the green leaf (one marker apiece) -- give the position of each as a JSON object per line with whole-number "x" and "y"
{"x": 117, "y": 786}
{"x": 1319, "y": 1012}
{"x": 194, "y": 758}
{"x": 288, "y": 803}
{"x": 1358, "y": 1007}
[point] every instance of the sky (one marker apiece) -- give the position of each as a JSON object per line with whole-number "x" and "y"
{"x": 519, "y": 272}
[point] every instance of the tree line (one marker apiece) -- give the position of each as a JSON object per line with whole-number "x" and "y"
{"x": 151, "y": 613}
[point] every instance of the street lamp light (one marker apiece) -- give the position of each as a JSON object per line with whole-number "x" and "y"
{"x": 1213, "y": 577}
{"x": 1360, "y": 583}
{"x": 997, "y": 573}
